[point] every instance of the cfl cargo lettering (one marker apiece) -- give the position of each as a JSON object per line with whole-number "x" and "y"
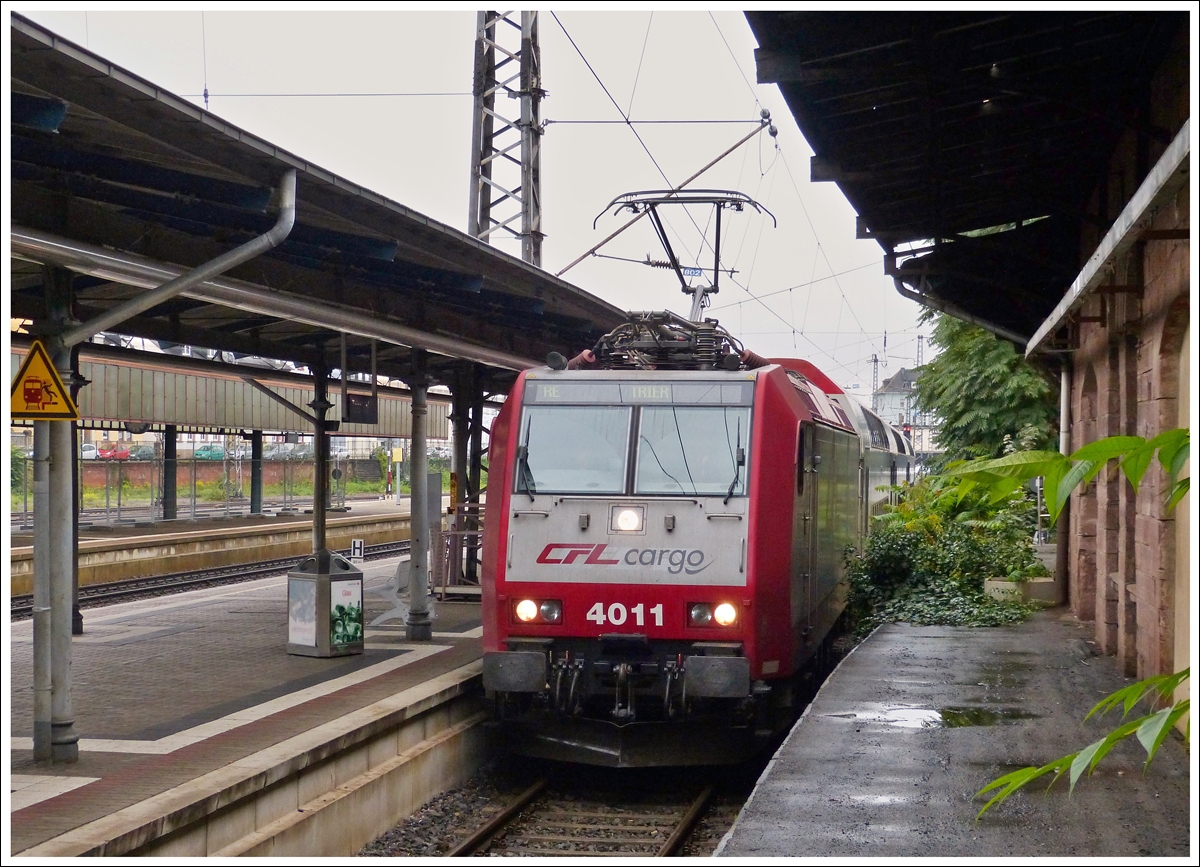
{"x": 674, "y": 560}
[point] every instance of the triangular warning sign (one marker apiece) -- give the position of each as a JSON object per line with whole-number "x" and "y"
{"x": 38, "y": 392}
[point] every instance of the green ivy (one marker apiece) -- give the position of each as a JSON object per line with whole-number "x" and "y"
{"x": 926, "y": 560}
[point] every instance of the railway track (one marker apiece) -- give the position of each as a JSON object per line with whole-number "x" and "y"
{"x": 545, "y": 822}
{"x": 159, "y": 585}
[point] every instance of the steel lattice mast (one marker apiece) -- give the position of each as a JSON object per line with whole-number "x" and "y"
{"x": 505, "y": 189}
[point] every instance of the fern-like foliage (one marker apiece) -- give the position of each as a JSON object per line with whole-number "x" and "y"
{"x": 1151, "y": 730}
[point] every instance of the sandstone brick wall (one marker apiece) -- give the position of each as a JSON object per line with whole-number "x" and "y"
{"x": 1125, "y": 380}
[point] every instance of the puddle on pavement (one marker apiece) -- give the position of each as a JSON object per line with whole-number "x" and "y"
{"x": 956, "y": 717}
{"x": 947, "y": 717}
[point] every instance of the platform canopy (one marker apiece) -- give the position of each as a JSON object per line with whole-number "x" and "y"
{"x": 106, "y": 165}
{"x": 970, "y": 143}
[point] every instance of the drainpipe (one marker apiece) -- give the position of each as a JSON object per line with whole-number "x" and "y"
{"x": 59, "y": 551}
{"x": 957, "y": 312}
{"x": 219, "y": 265}
{"x": 42, "y": 661}
{"x": 1063, "y": 539}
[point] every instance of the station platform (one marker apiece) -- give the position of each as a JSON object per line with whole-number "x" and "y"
{"x": 915, "y": 720}
{"x": 127, "y": 550}
{"x": 188, "y": 706}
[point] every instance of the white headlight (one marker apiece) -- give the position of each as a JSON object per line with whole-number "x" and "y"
{"x": 725, "y": 614}
{"x": 627, "y": 519}
{"x": 527, "y": 609}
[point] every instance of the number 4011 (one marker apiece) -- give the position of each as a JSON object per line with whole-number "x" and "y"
{"x": 617, "y": 614}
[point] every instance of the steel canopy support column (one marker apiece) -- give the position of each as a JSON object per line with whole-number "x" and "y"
{"x": 419, "y": 625}
{"x": 460, "y": 417}
{"x": 64, "y": 741}
{"x": 320, "y": 405}
{"x": 476, "y": 471}
{"x": 42, "y": 659}
{"x": 60, "y": 547}
{"x": 170, "y": 489}
{"x": 256, "y": 472}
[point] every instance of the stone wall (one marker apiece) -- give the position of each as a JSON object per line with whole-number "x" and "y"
{"x": 1125, "y": 381}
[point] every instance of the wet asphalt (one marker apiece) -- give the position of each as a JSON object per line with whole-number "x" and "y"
{"x": 885, "y": 762}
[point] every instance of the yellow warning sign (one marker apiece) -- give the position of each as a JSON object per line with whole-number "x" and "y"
{"x": 38, "y": 392}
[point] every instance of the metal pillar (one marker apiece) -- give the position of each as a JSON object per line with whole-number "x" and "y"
{"x": 256, "y": 472}
{"x": 64, "y": 741}
{"x": 419, "y": 625}
{"x": 497, "y": 178}
{"x": 60, "y": 546}
{"x": 42, "y": 659}
{"x": 460, "y": 418}
{"x": 476, "y": 471}
{"x": 170, "y": 490}
{"x": 320, "y": 405}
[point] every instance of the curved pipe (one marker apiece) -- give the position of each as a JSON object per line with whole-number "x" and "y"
{"x": 219, "y": 265}
{"x": 957, "y": 312}
{"x": 133, "y": 270}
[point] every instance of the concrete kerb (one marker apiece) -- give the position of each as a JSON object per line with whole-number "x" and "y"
{"x": 152, "y": 821}
{"x": 771, "y": 764}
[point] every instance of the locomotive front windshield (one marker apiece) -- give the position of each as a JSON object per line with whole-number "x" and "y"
{"x": 570, "y": 445}
{"x": 573, "y": 450}
{"x": 692, "y": 450}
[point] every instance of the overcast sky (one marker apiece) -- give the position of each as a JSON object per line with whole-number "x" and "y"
{"x": 382, "y": 97}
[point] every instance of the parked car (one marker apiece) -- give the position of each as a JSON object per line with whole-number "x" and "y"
{"x": 141, "y": 452}
{"x": 114, "y": 452}
{"x": 210, "y": 452}
{"x": 88, "y": 452}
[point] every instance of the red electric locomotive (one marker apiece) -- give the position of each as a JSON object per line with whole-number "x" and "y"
{"x": 665, "y": 545}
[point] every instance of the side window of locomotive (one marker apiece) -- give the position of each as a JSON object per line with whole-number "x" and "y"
{"x": 573, "y": 449}
{"x": 693, "y": 451}
{"x": 879, "y": 437}
{"x": 805, "y": 449}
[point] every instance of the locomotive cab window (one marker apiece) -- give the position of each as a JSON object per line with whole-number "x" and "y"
{"x": 573, "y": 450}
{"x": 698, "y": 451}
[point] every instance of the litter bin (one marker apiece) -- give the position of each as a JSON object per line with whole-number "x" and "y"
{"x": 325, "y": 607}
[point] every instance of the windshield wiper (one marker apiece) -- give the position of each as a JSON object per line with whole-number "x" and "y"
{"x": 524, "y": 474}
{"x": 738, "y": 463}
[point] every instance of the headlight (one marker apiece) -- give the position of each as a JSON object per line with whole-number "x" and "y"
{"x": 703, "y": 615}
{"x": 627, "y": 519}
{"x": 538, "y": 611}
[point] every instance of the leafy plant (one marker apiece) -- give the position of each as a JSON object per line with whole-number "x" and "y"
{"x": 926, "y": 559}
{"x": 1063, "y": 473}
{"x": 983, "y": 390}
{"x": 1151, "y": 729}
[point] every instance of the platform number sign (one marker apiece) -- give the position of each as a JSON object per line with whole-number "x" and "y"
{"x": 356, "y": 550}
{"x": 38, "y": 392}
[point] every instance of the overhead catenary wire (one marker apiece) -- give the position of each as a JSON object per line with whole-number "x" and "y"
{"x": 625, "y": 117}
{"x": 638, "y": 74}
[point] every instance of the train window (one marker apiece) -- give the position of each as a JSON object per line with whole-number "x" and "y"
{"x": 879, "y": 437}
{"x": 693, "y": 450}
{"x": 805, "y": 448}
{"x": 573, "y": 450}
